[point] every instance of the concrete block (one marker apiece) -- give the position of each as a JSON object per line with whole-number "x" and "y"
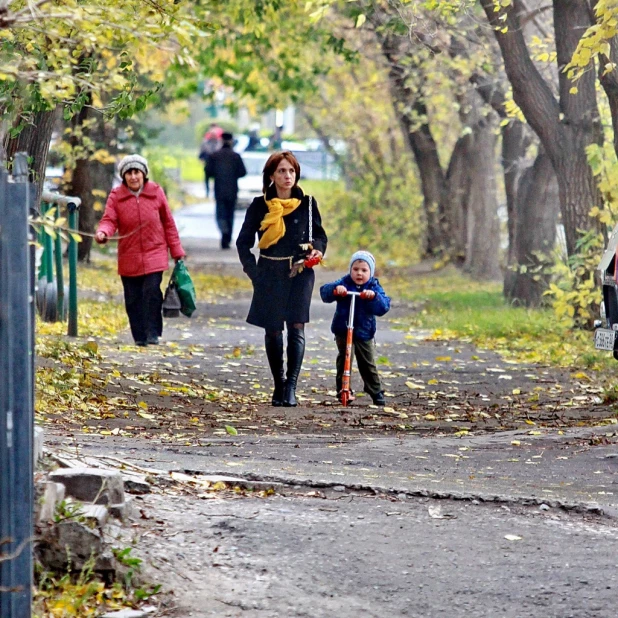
{"x": 91, "y": 484}
{"x": 37, "y": 450}
{"x": 69, "y": 542}
{"x": 96, "y": 513}
{"x": 123, "y": 510}
{"x": 52, "y": 495}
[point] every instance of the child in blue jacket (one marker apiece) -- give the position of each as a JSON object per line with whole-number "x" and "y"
{"x": 372, "y": 302}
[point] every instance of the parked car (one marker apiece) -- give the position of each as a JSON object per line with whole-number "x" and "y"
{"x": 606, "y": 329}
{"x": 250, "y": 186}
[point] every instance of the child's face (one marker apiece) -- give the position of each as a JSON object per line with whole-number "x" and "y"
{"x": 360, "y": 272}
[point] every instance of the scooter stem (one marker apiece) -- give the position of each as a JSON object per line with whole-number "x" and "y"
{"x": 347, "y": 365}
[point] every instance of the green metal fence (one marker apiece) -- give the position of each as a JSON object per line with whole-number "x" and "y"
{"x": 51, "y": 293}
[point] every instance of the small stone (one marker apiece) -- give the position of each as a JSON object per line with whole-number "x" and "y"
{"x": 544, "y": 507}
{"x": 339, "y": 488}
{"x": 130, "y": 613}
{"x": 402, "y": 496}
{"x": 136, "y": 485}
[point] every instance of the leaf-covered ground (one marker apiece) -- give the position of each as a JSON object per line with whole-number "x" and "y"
{"x": 209, "y": 376}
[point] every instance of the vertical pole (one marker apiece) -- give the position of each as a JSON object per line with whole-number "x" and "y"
{"x": 59, "y": 273}
{"x": 41, "y": 234}
{"x": 73, "y": 226}
{"x": 48, "y": 255}
{"x": 6, "y": 410}
{"x": 17, "y": 425}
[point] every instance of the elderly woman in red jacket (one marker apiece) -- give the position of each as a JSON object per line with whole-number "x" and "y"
{"x": 138, "y": 209}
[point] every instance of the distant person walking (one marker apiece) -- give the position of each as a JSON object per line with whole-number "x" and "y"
{"x": 211, "y": 142}
{"x": 226, "y": 167}
{"x": 138, "y": 209}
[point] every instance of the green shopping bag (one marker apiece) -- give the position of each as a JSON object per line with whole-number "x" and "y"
{"x": 185, "y": 287}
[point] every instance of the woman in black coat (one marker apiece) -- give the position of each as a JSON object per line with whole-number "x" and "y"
{"x": 289, "y": 229}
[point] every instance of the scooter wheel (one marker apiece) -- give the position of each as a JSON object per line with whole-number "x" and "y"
{"x": 345, "y": 397}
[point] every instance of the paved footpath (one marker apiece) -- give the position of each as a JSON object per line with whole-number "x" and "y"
{"x": 472, "y": 494}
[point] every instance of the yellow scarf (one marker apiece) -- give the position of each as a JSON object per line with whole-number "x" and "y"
{"x": 273, "y": 221}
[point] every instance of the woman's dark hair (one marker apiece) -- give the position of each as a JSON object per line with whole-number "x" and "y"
{"x": 273, "y": 163}
{"x": 124, "y": 182}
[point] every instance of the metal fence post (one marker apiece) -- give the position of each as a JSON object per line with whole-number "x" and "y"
{"x": 73, "y": 208}
{"x": 60, "y": 304}
{"x": 16, "y": 411}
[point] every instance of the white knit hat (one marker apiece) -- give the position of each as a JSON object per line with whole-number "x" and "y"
{"x": 365, "y": 256}
{"x": 133, "y": 162}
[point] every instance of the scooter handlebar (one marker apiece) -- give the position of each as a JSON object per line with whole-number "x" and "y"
{"x": 347, "y": 293}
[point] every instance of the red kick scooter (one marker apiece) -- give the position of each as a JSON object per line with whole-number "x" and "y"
{"x": 347, "y": 366}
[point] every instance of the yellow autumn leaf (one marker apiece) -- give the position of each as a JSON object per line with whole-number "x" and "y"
{"x": 413, "y": 386}
{"x": 432, "y": 381}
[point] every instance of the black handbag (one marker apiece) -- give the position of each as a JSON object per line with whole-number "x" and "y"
{"x": 171, "y": 301}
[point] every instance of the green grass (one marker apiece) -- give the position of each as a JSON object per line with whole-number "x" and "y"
{"x": 452, "y": 306}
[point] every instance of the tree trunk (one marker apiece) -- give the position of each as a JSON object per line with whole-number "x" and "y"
{"x": 483, "y": 227}
{"x": 537, "y": 210}
{"x": 88, "y": 133}
{"x": 455, "y": 199}
{"x": 514, "y": 144}
{"x": 412, "y": 113}
{"x": 433, "y": 183}
{"x": 566, "y": 128}
{"x": 34, "y": 139}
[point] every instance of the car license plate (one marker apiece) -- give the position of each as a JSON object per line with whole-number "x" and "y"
{"x": 604, "y": 338}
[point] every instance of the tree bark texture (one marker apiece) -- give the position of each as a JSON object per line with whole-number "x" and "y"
{"x": 537, "y": 210}
{"x": 433, "y": 184}
{"x": 412, "y": 112}
{"x": 456, "y": 198}
{"x": 515, "y": 141}
{"x": 483, "y": 226}
{"x": 89, "y": 131}
{"x": 565, "y": 128}
{"x": 34, "y": 139}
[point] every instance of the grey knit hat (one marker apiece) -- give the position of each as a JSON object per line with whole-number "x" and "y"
{"x": 365, "y": 256}
{"x": 133, "y": 162}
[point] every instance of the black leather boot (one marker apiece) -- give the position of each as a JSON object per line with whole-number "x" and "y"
{"x": 296, "y": 351}
{"x": 274, "y": 352}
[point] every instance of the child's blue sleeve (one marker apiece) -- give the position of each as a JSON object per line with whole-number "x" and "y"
{"x": 327, "y": 291}
{"x": 381, "y": 303}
